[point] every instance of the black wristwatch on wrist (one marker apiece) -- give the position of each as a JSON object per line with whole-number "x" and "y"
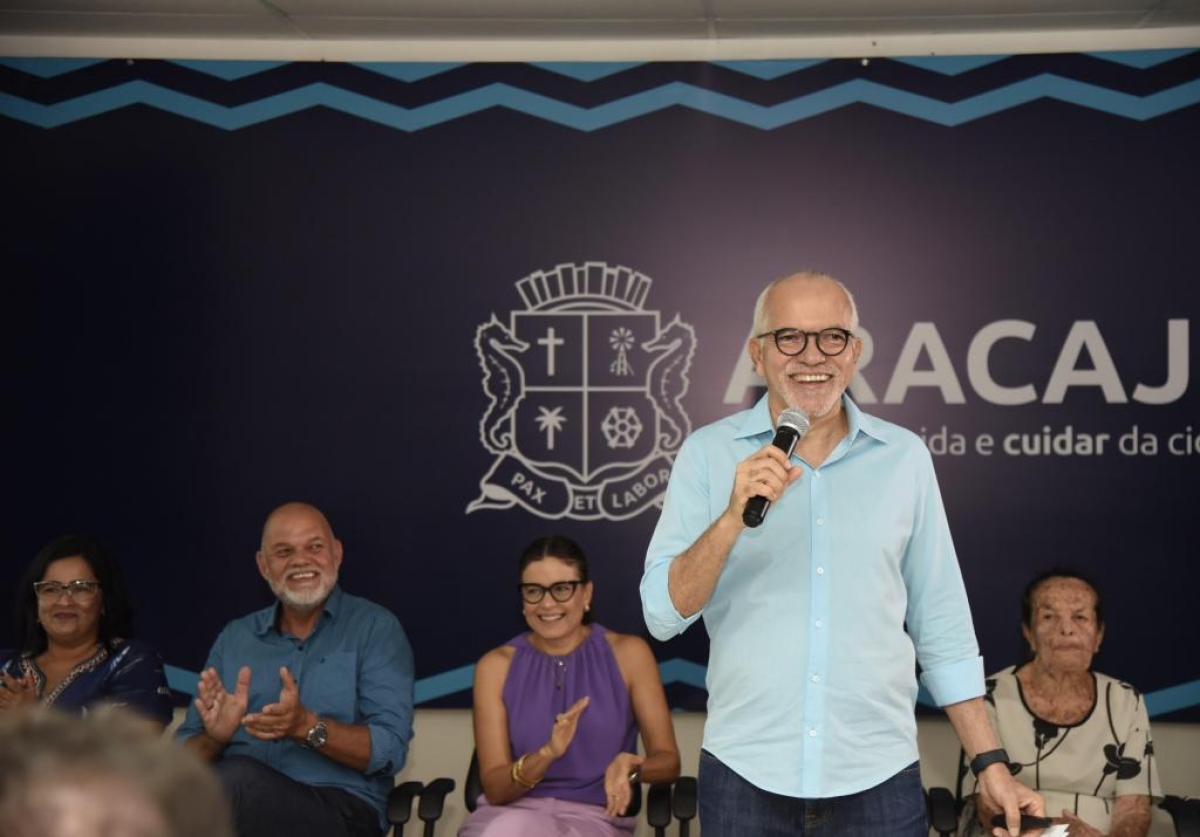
{"x": 987, "y": 758}
{"x": 317, "y": 736}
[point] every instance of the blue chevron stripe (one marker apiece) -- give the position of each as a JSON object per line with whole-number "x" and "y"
{"x": 182, "y": 680}
{"x": 408, "y": 71}
{"x": 440, "y": 685}
{"x": 586, "y": 70}
{"x": 1170, "y": 699}
{"x": 768, "y": 70}
{"x": 230, "y": 70}
{"x": 950, "y": 65}
{"x": 683, "y": 671}
{"x": 459, "y": 679}
{"x": 676, "y": 94}
{"x": 1173, "y": 698}
{"x": 1142, "y": 59}
{"x": 49, "y": 67}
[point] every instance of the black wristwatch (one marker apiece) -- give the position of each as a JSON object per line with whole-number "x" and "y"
{"x": 317, "y": 736}
{"x": 987, "y": 758}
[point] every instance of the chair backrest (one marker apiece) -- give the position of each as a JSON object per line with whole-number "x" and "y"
{"x": 473, "y": 787}
{"x": 1185, "y": 813}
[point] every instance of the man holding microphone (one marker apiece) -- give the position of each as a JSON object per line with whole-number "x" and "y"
{"x": 818, "y": 617}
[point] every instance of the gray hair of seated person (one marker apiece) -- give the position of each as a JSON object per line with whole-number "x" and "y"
{"x": 106, "y": 772}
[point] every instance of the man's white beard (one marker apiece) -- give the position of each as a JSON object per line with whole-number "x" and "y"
{"x": 307, "y": 600}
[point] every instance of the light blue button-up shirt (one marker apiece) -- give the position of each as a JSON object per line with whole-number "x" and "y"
{"x": 811, "y": 672}
{"x": 356, "y": 667}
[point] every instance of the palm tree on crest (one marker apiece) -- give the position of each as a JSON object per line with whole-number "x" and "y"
{"x": 550, "y": 421}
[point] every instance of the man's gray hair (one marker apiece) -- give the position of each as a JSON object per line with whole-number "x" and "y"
{"x": 760, "y": 306}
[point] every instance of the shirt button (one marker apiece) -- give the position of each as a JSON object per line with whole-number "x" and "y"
{"x": 820, "y": 571}
{"x": 816, "y": 678}
{"x": 812, "y": 733}
{"x": 819, "y": 623}
{"x": 820, "y": 521}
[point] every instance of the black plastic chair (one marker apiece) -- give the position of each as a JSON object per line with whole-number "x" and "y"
{"x": 683, "y": 802}
{"x": 1185, "y": 813}
{"x": 431, "y": 799}
{"x": 945, "y": 808}
{"x": 399, "y": 804}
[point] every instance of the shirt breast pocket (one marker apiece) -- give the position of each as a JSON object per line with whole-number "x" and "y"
{"x": 330, "y": 685}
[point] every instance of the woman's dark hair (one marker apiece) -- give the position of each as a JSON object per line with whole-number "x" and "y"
{"x": 562, "y": 548}
{"x": 116, "y": 614}
{"x": 1058, "y": 572}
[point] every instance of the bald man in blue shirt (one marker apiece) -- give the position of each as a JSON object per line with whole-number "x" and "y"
{"x": 818, "y": 617}
{"x": 305, "y": 707}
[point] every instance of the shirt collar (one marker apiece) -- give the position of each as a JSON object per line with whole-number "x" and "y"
{"x": 757, "y": 422}
{"x": 267, "y": 618}
{"x": 861, "y": 422}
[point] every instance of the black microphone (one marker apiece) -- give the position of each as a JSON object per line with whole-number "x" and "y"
{"x": 793, "y": 424}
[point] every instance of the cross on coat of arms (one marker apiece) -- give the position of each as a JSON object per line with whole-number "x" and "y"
{"x": 584, "y": 388}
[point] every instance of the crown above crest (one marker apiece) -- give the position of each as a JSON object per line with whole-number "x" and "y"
{"x": 591, "y": 285}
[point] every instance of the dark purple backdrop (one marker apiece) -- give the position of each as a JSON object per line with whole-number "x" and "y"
{"x": 206, "y": 320}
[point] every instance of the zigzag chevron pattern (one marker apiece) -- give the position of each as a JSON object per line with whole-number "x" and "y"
{"x": 1170, "y": 699}
{"x": 764, "y": 95}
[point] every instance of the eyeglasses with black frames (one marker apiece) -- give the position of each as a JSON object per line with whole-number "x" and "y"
{"x": 560, "y": 591}
{"x": 831, "y": 342}
{"x": 80, "y": 591}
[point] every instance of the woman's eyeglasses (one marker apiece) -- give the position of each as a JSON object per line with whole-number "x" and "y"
{"x": 77, "y": 591}
{"x": 560, "y": 591}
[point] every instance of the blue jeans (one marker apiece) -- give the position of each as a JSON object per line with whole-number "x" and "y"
{"x": 732, "y": 807}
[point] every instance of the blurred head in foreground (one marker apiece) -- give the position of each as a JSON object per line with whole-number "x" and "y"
{"x": 106, "y": 773}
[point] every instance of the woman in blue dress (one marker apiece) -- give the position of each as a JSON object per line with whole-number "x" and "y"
{"x": 74, "y": 624}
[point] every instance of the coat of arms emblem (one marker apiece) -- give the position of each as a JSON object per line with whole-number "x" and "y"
{"x": 585, "y": 387}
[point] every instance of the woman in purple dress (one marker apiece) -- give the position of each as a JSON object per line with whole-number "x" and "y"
{"x": 558, "y": 711}
{"x": 74, "y": 624}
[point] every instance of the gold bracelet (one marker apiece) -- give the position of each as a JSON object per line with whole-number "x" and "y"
{"x": 518, "y": 777}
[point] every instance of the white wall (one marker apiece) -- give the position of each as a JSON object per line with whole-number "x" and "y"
{"x": 443, "y": 743}
{"x": 600, "y": 49}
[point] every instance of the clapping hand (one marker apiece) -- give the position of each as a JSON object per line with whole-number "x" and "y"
{"x": 618, "y": 788}
{"x": 17, "y": 692}
{"x": 283, "y": 719}
{"x": 220, "y": 711}
{"x": 563, "y": 732}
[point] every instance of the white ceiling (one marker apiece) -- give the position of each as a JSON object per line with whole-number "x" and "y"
{"x": 705, "y": 21}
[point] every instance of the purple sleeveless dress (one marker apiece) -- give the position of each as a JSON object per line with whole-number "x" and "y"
{"x": 539, "y": 687}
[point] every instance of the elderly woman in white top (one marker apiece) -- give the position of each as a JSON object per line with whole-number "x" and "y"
{"x": 1080, "y": 738}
